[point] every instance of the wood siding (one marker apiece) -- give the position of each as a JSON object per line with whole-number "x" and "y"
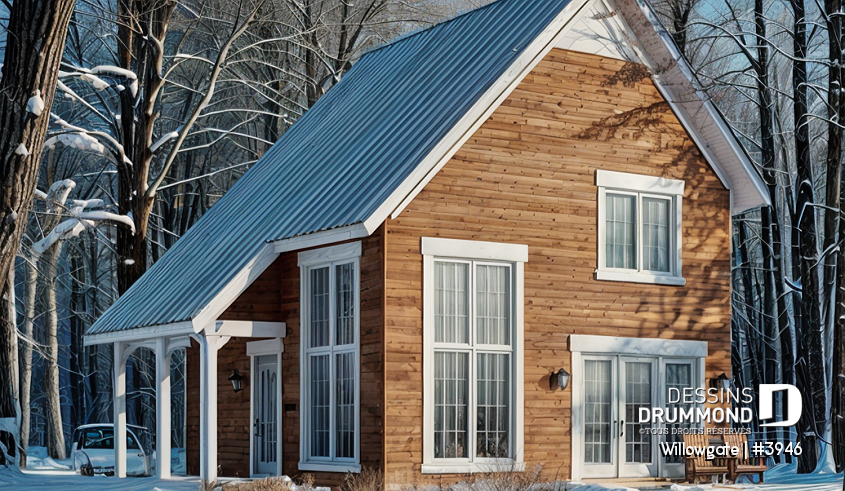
{"x": 528, "y": 177}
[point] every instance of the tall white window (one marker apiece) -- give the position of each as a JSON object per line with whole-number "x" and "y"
{"x": 639, "y": 220}
{"x": 473, "y": 355}
{"x": 330, "y": 381}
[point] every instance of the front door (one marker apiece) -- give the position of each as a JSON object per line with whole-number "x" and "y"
{"x": 265, "y": 411}
{"x": 615, "y": 387}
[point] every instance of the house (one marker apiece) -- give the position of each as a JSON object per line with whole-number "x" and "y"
{"x": 529, "y": 190}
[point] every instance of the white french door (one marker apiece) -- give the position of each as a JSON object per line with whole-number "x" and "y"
{"x": 615, "y": 387}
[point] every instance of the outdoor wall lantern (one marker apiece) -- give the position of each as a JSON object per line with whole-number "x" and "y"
{"x": 720, "y": 382}
{"x": 237, "y": 380}
{"x": 559, "y": 379}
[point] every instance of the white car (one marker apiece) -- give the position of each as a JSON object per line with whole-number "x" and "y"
{"x": 92, "y": 451}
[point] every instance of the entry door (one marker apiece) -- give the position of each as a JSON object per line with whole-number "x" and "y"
{"x": 637, "y": 452}
{"x": 265, "y": 411}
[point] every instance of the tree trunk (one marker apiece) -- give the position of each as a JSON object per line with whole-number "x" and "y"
{"x": 35, "y": 41}
{"x": 55, "y": 433}
{"x": 26, "y": 362}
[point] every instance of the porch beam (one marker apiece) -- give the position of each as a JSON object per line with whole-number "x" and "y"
{"x": 250, "y": 329}
{"x": 119, "y": 407}
{"x": 163, "y": 408}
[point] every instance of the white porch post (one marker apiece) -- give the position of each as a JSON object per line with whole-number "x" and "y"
{"x": 209, "y": 345}
{"x": 162, "y": 409}
{"x": 119, "y": 406}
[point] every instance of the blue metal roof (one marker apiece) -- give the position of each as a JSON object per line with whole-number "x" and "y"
{"x": 342, "y": 159}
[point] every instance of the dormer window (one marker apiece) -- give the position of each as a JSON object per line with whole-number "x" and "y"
{"x": 639, "y": 228}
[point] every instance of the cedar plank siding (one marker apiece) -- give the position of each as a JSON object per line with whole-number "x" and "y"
{"x": 281, "y": 282}
{"x": 528, "y": 176}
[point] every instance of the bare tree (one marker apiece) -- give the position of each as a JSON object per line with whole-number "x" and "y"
{"x": 27, "y": 86}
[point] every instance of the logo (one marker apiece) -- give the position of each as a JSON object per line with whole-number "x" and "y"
{"x": 793, "y": 408}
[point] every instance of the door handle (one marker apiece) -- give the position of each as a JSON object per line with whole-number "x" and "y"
{"x": 257, "y": 426}
{"x": 622, "y": 428}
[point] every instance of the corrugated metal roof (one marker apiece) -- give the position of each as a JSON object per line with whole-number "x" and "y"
{"x": 342, "y": 159}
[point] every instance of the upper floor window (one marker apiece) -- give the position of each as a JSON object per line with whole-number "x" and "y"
{"x": 639, "y": 228}
{"x": 473, "y": 396}
{"x": 330, "y": 367}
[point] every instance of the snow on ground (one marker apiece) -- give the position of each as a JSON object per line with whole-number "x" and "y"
{"x": 37, "y": 459}
{"x": 58, "y": 480}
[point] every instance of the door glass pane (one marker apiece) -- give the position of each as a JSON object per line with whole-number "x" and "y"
{"x": 656, "y": 234}
{"x": 492, "y": 304}
{"x": 637, "y": 395}
{"x": 451, "y": 376}
{"x": 320, "y": 387}
{"x": 620, "y": 232}
{"x": 345, "y": 397}
{"x": 345, "y": 308}
{"x": 678, "y": 376}
{"x": 451, "y": 291}
{"x": 319, "y": 307}
{"x": 493, "y": 406}
{"x": 597, "y": 411}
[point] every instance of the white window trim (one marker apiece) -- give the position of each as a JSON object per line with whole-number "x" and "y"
{"x": 641, "y": 187}
{"x": 307, "y": 260}
{"x": 517, "y": 255}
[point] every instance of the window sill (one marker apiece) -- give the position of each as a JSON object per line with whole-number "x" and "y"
{"x": 473, "y": 468}
{"x": 654, "y": 279}
{"x": 330, "y": 467}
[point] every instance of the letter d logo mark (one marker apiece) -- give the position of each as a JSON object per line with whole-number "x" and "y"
{"x": 767, "y": 396}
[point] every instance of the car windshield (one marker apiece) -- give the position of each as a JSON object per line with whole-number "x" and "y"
{"x": 103, "y": 438}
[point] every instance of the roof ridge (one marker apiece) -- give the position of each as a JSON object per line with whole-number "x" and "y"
{"x": 411, "y": 34}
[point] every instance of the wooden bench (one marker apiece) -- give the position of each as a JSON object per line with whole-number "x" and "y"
{"x": 744, "y": 464}
{"x": 696, "y": 466}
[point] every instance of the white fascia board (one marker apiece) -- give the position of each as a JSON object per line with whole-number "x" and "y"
{"x": 476, "y": 116}
{"x": 340, "y": 234}
{"x": 232, "y": 290}
{"x": 647, "y": 16}
{"x": 140, "y": 333}
{"x": 580, "y": 343}
{"x": 250, "y": 329}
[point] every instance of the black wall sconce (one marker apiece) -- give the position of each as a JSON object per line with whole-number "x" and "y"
{"x": 720, "y": 382}
{"x": 559, "y": 379}
{"x": 237, "y": 381}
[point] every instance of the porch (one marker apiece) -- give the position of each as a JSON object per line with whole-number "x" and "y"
{"x": 262, "y": 339}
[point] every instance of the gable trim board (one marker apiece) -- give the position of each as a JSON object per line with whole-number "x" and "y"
{"x": 703, "y": 124}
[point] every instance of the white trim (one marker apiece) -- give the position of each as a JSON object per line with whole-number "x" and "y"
{"x": 582, "y": 343}
{"x": 638, "y": 182}
{"x": 325, "y": 237}
{"x": 479, "y": 113}
{"x": 309, "y": 260}
{"x": 250, "y": 329}
{"x": 329, "y": 254}
{"x": 265, "y": 347}
{"x": 235, "y": 287}
{"x": 514, "y": 255}
{"x": 140, "y": 333}
{"x": 474, "y": 249}
{"x": 640, "y": 277}
{"x": 329, "y": 467}
{"x": 472, "y": 468}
